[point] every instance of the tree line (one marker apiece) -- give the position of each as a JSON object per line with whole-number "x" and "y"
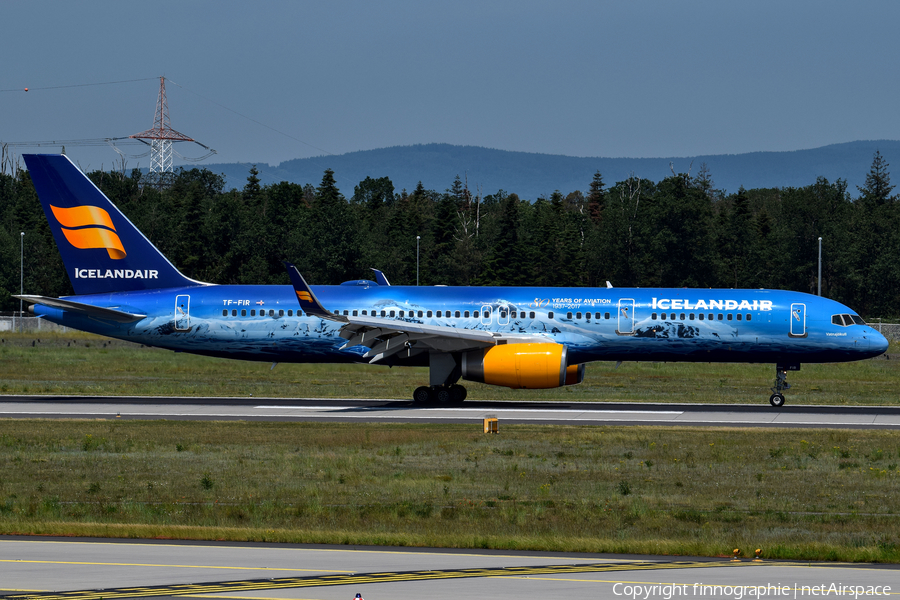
{"x": 677, "y": 232}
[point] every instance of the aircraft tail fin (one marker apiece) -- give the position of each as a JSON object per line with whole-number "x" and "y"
{"x": 102, "y": 250}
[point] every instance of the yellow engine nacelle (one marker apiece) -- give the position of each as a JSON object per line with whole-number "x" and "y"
{"x": 521, "y": 366}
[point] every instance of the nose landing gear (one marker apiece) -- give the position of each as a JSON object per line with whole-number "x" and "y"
{"x": 781, "y": 384}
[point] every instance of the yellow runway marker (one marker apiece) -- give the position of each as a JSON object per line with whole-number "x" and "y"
{"x": 361, "y": 578}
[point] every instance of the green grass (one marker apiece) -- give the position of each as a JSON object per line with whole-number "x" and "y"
{"x": 80, "y": 363}
{"x": 798, "y": 494}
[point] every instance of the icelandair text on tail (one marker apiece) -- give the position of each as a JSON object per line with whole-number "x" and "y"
{"x": 116, "y": 274}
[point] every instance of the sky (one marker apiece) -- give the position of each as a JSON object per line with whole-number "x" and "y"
{"x": 269, "y": 81}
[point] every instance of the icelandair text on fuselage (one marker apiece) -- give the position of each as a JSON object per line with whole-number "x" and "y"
{"x": 116, "y": 274}
{"x": 682, "y": 304}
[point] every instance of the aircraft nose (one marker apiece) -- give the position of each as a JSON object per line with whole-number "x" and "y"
{"x": 878, "y": 344}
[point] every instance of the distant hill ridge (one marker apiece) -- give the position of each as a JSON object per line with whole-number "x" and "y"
{"x": 532, "y": 175}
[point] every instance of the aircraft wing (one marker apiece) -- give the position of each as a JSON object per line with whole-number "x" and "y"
{"x": 307, "y": 299}
{"x": 389, "y": 337}
{"x": 100, "y": 312}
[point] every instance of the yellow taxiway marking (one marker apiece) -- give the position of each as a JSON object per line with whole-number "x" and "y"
{"x": 361, "y": 578}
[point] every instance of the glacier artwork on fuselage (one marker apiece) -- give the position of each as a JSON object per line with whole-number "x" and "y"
{"x": 518, "y": 337}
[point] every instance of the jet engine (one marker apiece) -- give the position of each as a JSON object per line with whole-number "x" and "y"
{"x": 521, "y": 366}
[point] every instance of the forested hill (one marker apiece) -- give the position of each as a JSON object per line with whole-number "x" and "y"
{"x": 534, "y": 175}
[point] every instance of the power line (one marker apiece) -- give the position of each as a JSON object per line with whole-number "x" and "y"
{"x": 59, "y": 87}
{"x": 278, "y": 131}
{"x": 75, "y": 142}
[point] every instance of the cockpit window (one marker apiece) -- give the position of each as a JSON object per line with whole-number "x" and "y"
{"x": 847, "y": 320}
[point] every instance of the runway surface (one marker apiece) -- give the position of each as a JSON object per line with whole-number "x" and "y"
{"x": 396, "y": 411}
{"x": 91, "y": 569}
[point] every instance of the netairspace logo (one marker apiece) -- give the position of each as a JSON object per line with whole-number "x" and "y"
{"x": 738, "y": 592}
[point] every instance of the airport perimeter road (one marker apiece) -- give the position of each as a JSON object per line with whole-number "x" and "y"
{"x": 395, "y": 411}
{"x": 91, "y": 569}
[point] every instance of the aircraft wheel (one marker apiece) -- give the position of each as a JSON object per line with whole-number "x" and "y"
{"x": 443, "y": 395}
{"x": 422, "y": 394}
{"x": 458, "y": 393}
{"x": 776, "y": 400}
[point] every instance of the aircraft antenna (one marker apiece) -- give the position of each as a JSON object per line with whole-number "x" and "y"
{"x": 161, "y": 137}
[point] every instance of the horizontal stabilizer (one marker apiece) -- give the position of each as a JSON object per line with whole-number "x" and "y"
{"x": 100, "y": 312}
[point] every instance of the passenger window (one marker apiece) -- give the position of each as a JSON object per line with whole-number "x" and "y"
{"x": 550, "y": 315}
{"x": 272, "y": 312}
{"x": 383, "y": 313}
{"x": 364, "y": 313}
{"x": 720, "y": 316}
{"x": 253, "y": 313}
{"x": 568, "y": 315}
{"x": 577, "y": 315}
{"x": 429, "y": 314}
{"x": 225, "y": 312}
{"x": 691, "y": 317}
{"x": 355, "y": 313}
{"x": 710, "y": 316}
{"x": 466, "y": 314}
{"x": 729, "y": 316}
{"x": 739, "y": 316}
{"x": 682, "y": 316}
{"x": 653, "y": 316}
{"x": 290, "y": 312}
{"x": 700, "y": 316}
{"x": 280, "y": 313}
{"x": 243, "y": 312}
{"x": 475, "y": 314}
{"x": 391, "y": 314}
{"x": 606, "y": 316}
{"x": 439, "y": 314}
{"x": 531, "y": 315}
{"x": 748, "y": 316}
{"x": 234, "y": 313}
{"x": 420, "y": 313}
{"x": 401, "y": 314}
{"x": 457, "y": 314}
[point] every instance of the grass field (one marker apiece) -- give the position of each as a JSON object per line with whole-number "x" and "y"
{"x": 80, "y": 363}
{"x": 674, "y": 490}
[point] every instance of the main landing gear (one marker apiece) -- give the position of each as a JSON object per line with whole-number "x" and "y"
{"x": 442, "y": 394}
{"x": 781, "y": 384}
{"x": 443, "y": 373}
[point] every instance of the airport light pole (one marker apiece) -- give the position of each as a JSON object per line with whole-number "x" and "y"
{"x": 417, "y": 259}
{"x": 21, "y": 271}
{"x": 820, "y": 266}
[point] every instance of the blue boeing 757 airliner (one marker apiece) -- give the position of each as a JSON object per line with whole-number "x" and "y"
{"x": 518, "y": 337}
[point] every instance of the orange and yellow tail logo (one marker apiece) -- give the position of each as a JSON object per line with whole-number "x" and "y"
{"x": 94, "y": 229}
{"x": 303, "y": 296}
